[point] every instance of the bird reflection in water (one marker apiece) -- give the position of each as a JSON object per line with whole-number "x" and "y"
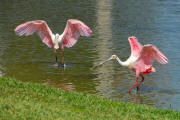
{"x": 60, "y": 84}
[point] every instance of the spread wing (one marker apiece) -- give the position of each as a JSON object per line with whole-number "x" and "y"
{"x": 74, "y": 28}
{"x": 38, "y": 26}
{"x": 148, "y": 54}
{"x": 136, "y": 47}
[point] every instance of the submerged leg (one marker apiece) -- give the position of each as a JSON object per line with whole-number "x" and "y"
{"x": 55, "y": 53}
{"x": 63, "y": 58}
{"x": 140, "y": 82}
{"x": 133, "y": 85}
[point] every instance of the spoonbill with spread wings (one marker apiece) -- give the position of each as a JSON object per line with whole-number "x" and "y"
{"x": 141, "y": 59}
{"x": 74, "y": 28}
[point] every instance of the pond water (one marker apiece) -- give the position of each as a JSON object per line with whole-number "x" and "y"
{"x": 112, "y": 22}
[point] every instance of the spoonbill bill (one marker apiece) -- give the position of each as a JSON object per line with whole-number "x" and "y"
{"x": 141, "y": 59}
{"x": 74, "y": 28}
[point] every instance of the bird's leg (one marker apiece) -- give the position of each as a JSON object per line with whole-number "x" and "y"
{"x": 55, "y": 53}
{"x": 133, "y": 85}
{"x": 63, "y": 58}
{"x": 140, "y": 82}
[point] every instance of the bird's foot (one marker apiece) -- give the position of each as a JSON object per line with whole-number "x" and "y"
{"x": 137, "y": 88}
{"x": 56, "y": 64}
{"x": 128, "y": 91}
{"x": 63, "y": 65}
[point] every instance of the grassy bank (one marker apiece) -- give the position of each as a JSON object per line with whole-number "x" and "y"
{"x": 20, "y": 100}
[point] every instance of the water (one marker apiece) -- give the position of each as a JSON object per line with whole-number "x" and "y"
{"x": 112, "y": 22}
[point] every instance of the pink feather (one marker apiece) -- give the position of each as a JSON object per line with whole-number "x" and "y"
{"x": 38, "y": 26}
{"x": 74, "y": 28}
{"x": 148, "y": 53}
{"x": 136, "y": 47}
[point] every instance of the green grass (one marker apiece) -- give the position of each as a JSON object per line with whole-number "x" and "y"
{"x": 19, "y": 101}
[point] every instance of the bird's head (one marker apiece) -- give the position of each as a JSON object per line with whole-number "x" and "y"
{"x": 111, "y": 58}
{"x": 57, "y": 35}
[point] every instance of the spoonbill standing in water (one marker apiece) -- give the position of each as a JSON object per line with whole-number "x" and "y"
{"x": 74, "y": 28}
{"x": 141, "y": 59}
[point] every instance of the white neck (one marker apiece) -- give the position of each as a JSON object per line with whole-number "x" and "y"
{"x": 125, "y": 63}
{"x": 57, "y": 40}
{"x": 60, "y": 38}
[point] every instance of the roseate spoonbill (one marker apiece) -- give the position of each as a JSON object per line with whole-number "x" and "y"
{"x": 141, "y": 59}
{"x": 74, "y": 28}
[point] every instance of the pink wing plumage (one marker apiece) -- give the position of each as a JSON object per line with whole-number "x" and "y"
{"x": 74, "y": 28}
{"x": 38, "y": 26}
{"x": 136, "y": 47}
{"x": 148, "y": 54}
